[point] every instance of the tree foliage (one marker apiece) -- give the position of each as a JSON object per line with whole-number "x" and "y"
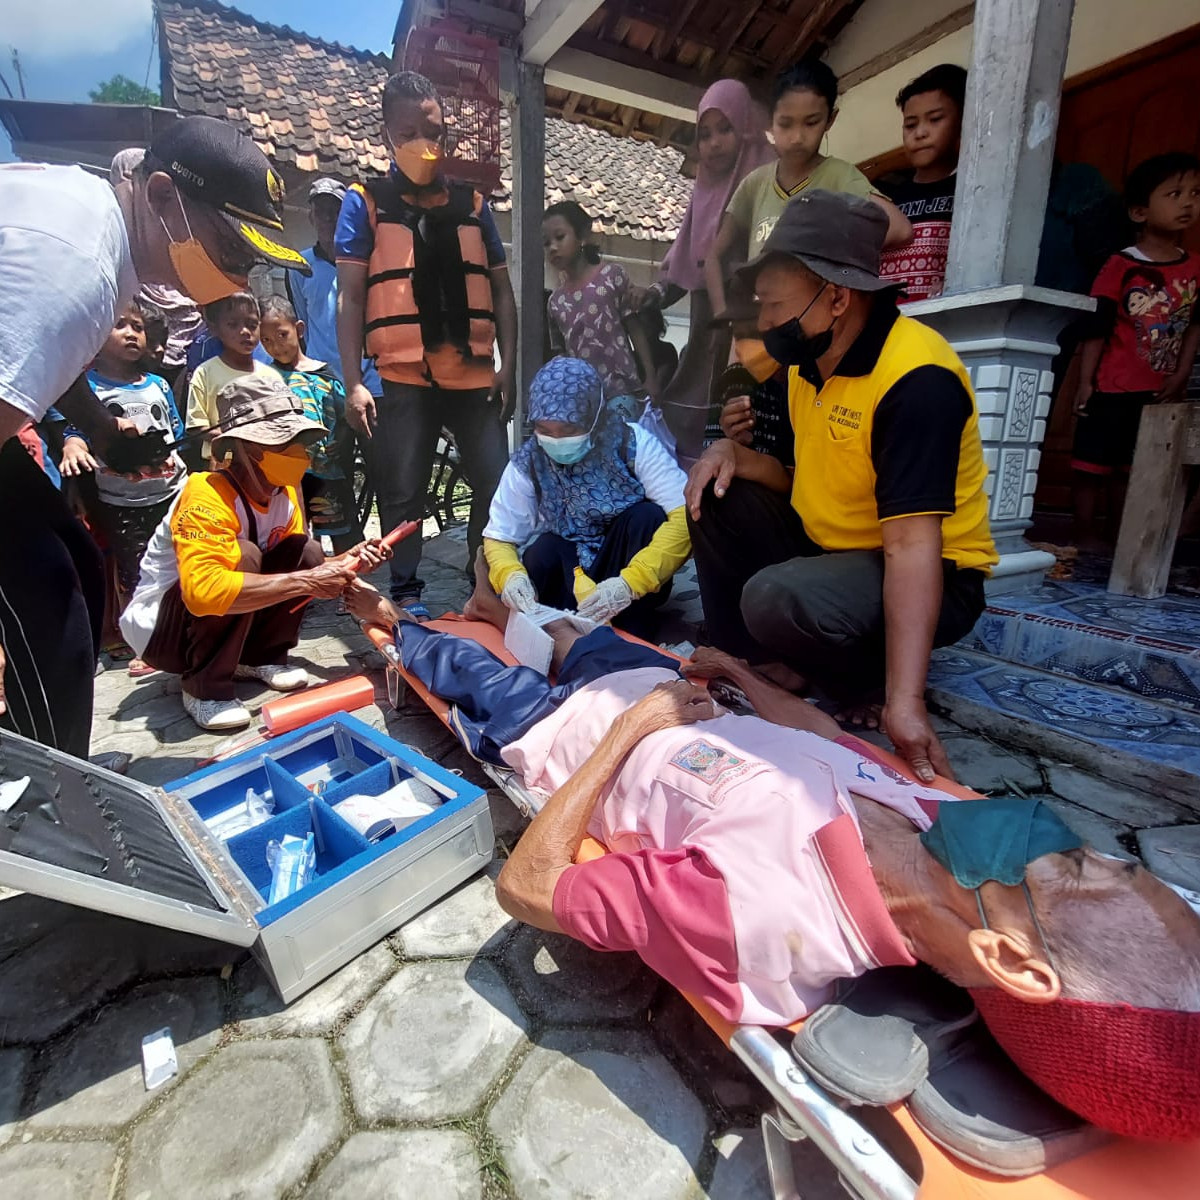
{"x": 120, "y": 89}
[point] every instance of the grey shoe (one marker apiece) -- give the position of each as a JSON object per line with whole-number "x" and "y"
{"x": 874, "y": 1043}
{"x": 978, "y": 1106}
{"x": 218, "y": 716}
{"x": 279, "y": 676}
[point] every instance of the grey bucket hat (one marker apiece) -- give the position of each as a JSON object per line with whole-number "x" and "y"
{"x": 836, "y": 236}
{"x": 262, "y": 409}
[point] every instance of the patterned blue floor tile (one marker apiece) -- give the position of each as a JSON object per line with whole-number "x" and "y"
{"x": 1172, "y": 620}
{"x": 1100, "y": 715}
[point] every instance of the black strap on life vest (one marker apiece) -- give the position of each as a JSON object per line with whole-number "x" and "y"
{"x": 439, "y": 274}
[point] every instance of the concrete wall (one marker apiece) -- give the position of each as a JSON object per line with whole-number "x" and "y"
{"x": 869, "y": 123}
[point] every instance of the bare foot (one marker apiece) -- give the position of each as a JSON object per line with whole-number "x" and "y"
{"x": 782, "y": 676}
{"x": 483, "y": 604}
{"x": 859, "y": 716}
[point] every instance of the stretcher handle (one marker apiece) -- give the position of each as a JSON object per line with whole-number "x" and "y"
{"x": 855, "y": 1152}
{"x": 403, "y": 530}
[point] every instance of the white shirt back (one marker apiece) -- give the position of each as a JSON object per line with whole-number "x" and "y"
{"x": 65, "y": 274}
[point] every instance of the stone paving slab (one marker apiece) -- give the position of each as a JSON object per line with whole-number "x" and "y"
{"x": 716, "y": 1076}
{"x": 599, "y": 1115}
{"x": 1109, "y": 837}
{"x": 13, "y": 1068}
{"x": 437, "y": 1164}
{"x": 250, "y": 1123}
{"x": 1174, "y": 853}
{"x": 259, "y": 1012}
{"x": 95, "y": 1078}
{"x": 466, "y": 923}
{"x": 619, "y": 1096}
{"x": 1124, "y": 804}
{"x": 50, "y": 982}
{"x": 432, "y": 1042}
{"x": 563, "y": 982}
{"x": 58, "y": 1170}
{"x": 741, "y": 1170}
{"x": 45, "y": 987}
{"x": 986, "y": 767}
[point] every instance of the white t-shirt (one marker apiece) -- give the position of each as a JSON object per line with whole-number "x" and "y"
{"x": 65, "y": 274}
{"x": 513, "y": 516}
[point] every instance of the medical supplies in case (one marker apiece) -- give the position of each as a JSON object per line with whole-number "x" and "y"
{"x": 272, "y": 849}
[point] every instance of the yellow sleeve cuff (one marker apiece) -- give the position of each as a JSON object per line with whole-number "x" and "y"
{"x": 503, "y": 562}
{"x": 651, "y": 567}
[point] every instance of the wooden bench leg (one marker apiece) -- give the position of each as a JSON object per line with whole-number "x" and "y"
{"x": 1154, "y": 503}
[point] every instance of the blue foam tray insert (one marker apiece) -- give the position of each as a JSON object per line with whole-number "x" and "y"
{"x": 276, "y": 765}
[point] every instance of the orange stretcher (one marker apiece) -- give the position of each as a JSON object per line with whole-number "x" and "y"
{"x": 880, "y": 1154}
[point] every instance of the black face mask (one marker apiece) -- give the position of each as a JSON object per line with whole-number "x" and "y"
{"x": 790, "y": 346}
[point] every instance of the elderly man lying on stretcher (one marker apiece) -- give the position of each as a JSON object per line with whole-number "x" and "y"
{"x": 755, "y": 861}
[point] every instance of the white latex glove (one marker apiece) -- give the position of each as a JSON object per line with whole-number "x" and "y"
{"x": 611, "y": 596}
{"x": 519, "y": 594}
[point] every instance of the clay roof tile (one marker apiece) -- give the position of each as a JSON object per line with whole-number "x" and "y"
{"x": 316, "y": 104}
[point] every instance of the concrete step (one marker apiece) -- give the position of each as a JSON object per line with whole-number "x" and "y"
{"x": 1148, "y": 648}
{"x": 1110, "y": 732}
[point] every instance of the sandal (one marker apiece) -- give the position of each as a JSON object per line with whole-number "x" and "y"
{"x": 417, "y": 610}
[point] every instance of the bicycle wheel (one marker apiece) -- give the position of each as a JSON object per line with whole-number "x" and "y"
{"x": 364, "y": 492}
{"x": 456, "y": 499}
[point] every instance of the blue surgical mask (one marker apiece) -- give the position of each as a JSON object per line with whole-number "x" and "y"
{"x": 981, "y": 840}
{"x": 566, "y": 450}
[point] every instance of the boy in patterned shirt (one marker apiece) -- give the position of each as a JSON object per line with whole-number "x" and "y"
{"x": 1145, "y": 338}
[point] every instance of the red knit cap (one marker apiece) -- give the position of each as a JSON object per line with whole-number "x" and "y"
{"x": 1132, "y": 1071}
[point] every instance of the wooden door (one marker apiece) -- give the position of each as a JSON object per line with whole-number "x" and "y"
{"x": 1113, "y": 118}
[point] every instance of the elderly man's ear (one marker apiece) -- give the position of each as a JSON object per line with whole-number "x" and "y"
{"x": 1010, "y": 963}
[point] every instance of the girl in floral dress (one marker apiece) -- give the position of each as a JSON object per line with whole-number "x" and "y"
{"x": 591, "y": 313}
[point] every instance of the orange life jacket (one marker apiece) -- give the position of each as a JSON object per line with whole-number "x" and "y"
{"x": 428, "y": 280}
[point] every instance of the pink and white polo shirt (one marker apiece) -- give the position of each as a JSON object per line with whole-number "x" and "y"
{"x": 737, "y": 869}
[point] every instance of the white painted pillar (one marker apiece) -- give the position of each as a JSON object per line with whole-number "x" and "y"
{"x": 1014, "y": 87}
{"x": 529, "y": 201}
{"x": 1004, "y": 328}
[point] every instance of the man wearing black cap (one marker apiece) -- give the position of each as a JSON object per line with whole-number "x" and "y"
{"x": 73, "y": 250}
{"x": 874, "y": 550}
{"x": 314, "y": 297}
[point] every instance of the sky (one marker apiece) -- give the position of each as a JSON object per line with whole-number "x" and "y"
{"x": 67, "y": 47}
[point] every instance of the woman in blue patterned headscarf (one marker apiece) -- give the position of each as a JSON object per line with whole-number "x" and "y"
{"x": 587, "y": 491}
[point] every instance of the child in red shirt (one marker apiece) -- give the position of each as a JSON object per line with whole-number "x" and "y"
{"x": 1147, "y": 333}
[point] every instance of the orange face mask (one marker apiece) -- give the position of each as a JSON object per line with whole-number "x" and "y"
{"x": 199, "y": 276}
{"x": 284, "y": 468}
{"x": 752, "y": 354}
{"x": 418, "y": 160}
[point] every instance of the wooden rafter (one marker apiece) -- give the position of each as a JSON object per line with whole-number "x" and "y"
{"x": 632, "y": 58}
{"x": 664, "y": 39}
{"x": 926, "y": 37}
{"x": 819, "y": 16}
{"x": 667, "y": 129}
{"x": 572, "y": 103}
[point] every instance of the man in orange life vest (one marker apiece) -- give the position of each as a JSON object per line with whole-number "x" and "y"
{"x": 423, "y": 285}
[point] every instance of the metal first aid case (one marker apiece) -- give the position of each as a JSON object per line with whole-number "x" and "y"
{"x": 194, "y": 854}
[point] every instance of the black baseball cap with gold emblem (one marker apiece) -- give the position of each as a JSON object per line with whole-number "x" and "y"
{"x": 212, "y": 163}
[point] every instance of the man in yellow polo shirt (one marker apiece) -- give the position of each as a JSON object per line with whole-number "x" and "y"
{"x": 874, "y": 550}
